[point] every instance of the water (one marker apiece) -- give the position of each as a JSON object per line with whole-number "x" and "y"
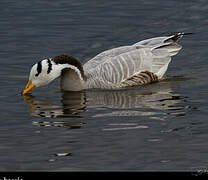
{"x": 158, "y": 127}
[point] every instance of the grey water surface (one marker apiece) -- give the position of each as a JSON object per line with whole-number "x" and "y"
{"x": 158, "y": 127}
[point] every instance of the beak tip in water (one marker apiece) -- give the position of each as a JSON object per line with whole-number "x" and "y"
{"x": 28, "y": 88}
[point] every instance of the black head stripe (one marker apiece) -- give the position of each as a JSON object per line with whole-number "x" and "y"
{"x": 49, "y": 66}
{"x": 39, "y": 68}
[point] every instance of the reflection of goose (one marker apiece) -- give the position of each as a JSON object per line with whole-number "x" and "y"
{"x": 126, "y": 102}
{"x": 72, "y": 104}
{"x": 133, "y": 99}
{"x": 141, "y": 63}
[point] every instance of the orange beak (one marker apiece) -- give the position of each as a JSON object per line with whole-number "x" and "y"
{"x": 28, "y": 87}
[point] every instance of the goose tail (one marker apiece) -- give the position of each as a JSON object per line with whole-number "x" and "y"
{"x": 163, "y": 52}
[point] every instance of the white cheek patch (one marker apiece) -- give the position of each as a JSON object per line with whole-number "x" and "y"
{"x": 33, "y": 72}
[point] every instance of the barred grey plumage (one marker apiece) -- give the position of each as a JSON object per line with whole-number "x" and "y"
{"x": 124, "y": 66}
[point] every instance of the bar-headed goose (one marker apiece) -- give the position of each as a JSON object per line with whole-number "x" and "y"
{"x": 138, "y": 64}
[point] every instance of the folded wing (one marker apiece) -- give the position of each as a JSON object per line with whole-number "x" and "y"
{"x": 109, "y": 68}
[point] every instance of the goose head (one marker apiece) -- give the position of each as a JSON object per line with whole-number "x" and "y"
{"x": 45, "y": 71}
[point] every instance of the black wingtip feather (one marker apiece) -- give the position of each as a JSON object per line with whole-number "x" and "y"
{"x": 178, "y": 33}
{"x": 175, "y": 36}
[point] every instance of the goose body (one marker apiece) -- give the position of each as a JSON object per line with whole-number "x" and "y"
{"x": 138, "y": 64}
